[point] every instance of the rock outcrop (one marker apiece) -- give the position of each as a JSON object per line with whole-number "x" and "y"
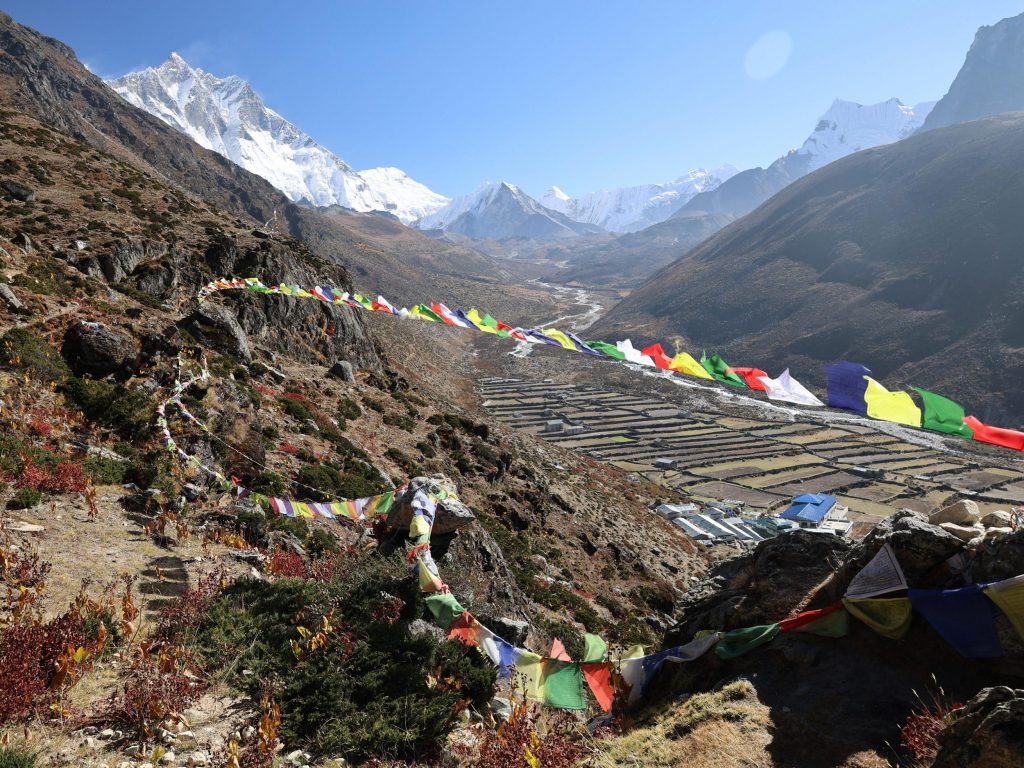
{"x": 987, "y": 733}
{"x": 97, "y": 349}
{"x": 451, "y": 513}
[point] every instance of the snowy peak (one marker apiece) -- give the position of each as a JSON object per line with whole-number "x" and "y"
{"x": 500, "y": 211}
{"x": 848, "y": 127}
{"x": 628, "y": 209}
{"x": 227, "y": 116}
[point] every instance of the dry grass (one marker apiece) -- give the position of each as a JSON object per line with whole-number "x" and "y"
{"x": 722, "y": 729}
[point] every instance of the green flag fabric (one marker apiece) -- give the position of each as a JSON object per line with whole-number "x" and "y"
{"x": 741, "y": 641}
{"x": 444, "y": 607}
{"x": 835, "y": 624}
{"x": 609, "y": 349}
{"x": 718, "y": 368}
{"x": 594, "y": 649}
{"x": 563, "y": 685}
{"x": 427, "y": 313}
{"x": 943, "y": 415}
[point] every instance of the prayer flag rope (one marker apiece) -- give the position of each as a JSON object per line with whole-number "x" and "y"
{"x": 850, "y": 386}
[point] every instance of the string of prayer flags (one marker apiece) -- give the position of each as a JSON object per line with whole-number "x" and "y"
{"x": 594, "y": 648}
{"x": 846, "y": 384}
{"x": 964, "y": 617}
{"x": 563, "y": 685}
{"x": 740, "y": 641}
{"x": 633, "y": 355}
{"x": 501, "y": 653}
{"x": 604, "y": 347}
{"x": 684, "y": 363}
{"x": 880, "y": 576}
{"x": 806, "y": 618}
{"x": 786, "y": 389}
{"x": 1009, "y": 596}
{"x": 943, "y": 415}
{"x": 444, "y": 608}
{"x": 721, "y": 370}
{"x": 888, "y": 616}
{"x": 884, "y": 405}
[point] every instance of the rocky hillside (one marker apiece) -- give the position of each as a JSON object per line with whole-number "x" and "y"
{"x": 990, "y": 82}
{"x": 875, "y": 258}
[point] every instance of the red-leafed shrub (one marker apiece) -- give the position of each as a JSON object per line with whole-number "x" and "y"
{"x": 40, "y": 426}
{"x": 65, "y": 477}
{"x": 286, "y": 447}
{"x": 517, "y": 742}
{"x": 919, "y": 737}
{"x": 265, "y": 390}
{"x": 28, "y": 655}
{"x": 296, "y": 396}
{"x": 286, "y": 564}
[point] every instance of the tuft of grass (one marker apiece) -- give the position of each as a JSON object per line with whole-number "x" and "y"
{"x": 15, "y": 758}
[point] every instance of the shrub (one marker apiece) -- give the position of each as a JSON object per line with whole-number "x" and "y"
{"x": 22, "y": 350}
{"x": 371, "y": 688}
{"x": 295, "y": 408}
{"x": 349, "y": 408}
{"x": 15, "y": 758}
{"x": 126, "y": 411}
{"x": 397, "y": 420}
{"x": 25, "y": 498}
{"x": 269, "y": 483}
{"x": 356, "y": 481}
{"x": 27, "y": 656}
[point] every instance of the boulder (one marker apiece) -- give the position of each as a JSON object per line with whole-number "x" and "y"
{"x": 79, "y": 245}
{"x": 8, "y": 297}
{"x": 343, "y": 370}
{"x": 23, "y": 241}
{"x": 97, "y": 349}
{"x": 995, "y": 533}
{"x": 962, "y": 532}
{"x": 216, "y": 326}
{"x": 963, "y": 512}
{"x": 124, "y": 258}
{"x": 510, "y": 630}
{"x": 987, "y": 733}
{"x": 997, "y": 519}
{"x": 451, "y": 514}
{"x": 87, "y": 265}
{"x": 18, "y": 191}
{"x": 919, "y": 546}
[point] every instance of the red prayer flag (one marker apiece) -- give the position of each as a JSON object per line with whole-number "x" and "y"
{"x": 751, "y": 376}
{"x": 983, "y": 433}
{"x": 657, "y": 354}
{"x": 807, "y": 617}
{"x": 558, "y": 651}
{"x": 465, "y": 628}
{"x": 599, "y": 677}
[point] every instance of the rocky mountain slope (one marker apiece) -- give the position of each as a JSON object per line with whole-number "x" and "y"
{"x": 845, "y": 128}
{"x": 227, "y": 116}
{"x": 502, "y": 211}
{"x": 991, "y": 80}
{"x": 42, "y": 77}
{"x": 628, "y": 209}
{"x": 874, "y": 258}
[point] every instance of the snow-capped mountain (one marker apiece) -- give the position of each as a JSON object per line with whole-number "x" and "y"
{"x": 227, "y": 116}
{"x": 499, "y": 210}
{"x": 628, "y": 209}
{"x": 848, "y": 127}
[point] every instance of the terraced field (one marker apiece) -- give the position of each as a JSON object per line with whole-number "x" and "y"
{"x": 761, "y": 463}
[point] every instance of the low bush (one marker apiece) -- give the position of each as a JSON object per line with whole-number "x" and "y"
{"x": 23, "y": 350}
{"x": 349, "y": 408}
{"x": 126, "y": 411}
{"x": 25, "y": 498}
{"x": 15, "y": 758}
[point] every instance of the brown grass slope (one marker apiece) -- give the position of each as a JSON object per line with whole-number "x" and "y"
{"x": 905, "y": 257}
{"x": 42, "y": 77}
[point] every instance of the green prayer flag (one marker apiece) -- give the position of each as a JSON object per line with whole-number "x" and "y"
{"x": 718, "y": 368}
{"x": 445, "y": 608}
{"x": 594, "y": 648}
{"x": 943, "y": 415}
{"x": 563, "y": 685}
{"x": 427, "y": 313}
{"x": 835, "y": 624}
{"x": 609, "y": 349}
{"x": 741, "y": 641}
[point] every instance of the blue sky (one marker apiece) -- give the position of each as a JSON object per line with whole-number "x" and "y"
{"x": 585, "y": 95}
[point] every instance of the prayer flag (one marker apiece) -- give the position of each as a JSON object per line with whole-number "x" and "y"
{"x": 942, "y": 414}
{"x": 964, "y": 617}
{"x": 631, "y": 354}
{"x": 599, "y": 679}
{"x": 752, "y": 376}
{"x": 424, "y": 312}
{"x": 807, "y": 617}
{"x": 465, "y": 628}
{"x": 897, "y": 407}
{"x": 501, "y": 653}
{"x": 609, "y": 349}
{"x": 444, "y": 607}
{"x": 834, "y": 624}
{"x": 563, "y": 685}
{"x": 531, "y": 667}
{"x": 685, "y": 364}
{"x": 786, "y": 389}
{"x": 882, "y": 574}
{"x": 983, "y": 433}
{"x": 888, "y": 616}
{"x": 846, "y": 386}
{"x": 719, "y": 369}
{"x": 741, "y": 641}
{"x": 594, "y": 648}
{"x": 564, "y": 341}
{"x": 657, "y": 354}
{"x": 1009, "y": 596}
{"x": 558, "y": 651}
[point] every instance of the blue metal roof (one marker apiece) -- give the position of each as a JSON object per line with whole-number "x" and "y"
{"x": 809, "y": 508}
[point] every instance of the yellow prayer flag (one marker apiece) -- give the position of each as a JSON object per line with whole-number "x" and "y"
{"x": 890, "y": 406}
{"x": 633, "y": 653}
{"x": 1009, "y": 596}
{"x": 888, "y": 616}
{"x": 474, "y": 317}
{"x": 560, "y": 337}
{"x": 419, "y": 527}
{"x": 531, "y": 667}
{"x": 684, "y": 363}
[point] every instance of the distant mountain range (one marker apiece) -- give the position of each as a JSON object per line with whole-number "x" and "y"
{"x": 228, "y": 116}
